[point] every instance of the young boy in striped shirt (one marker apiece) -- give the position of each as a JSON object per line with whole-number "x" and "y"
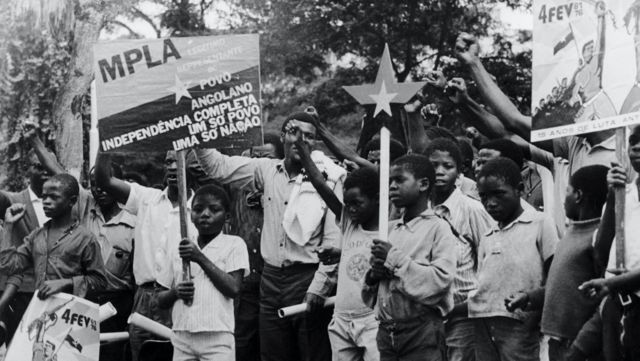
{"x": 204, "y": 330}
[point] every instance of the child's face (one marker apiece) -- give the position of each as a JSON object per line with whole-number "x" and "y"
{"x": 361, "y": 208}
{"x": 570, "y": 205}
{"x": 55, "y": 202}
{"x": 446, "y": 171}
{"x": 634, "y": 156}
{"x": 404, "y": 188}
{"x": 208, "y": 214}
{"x": 500, "y": 199}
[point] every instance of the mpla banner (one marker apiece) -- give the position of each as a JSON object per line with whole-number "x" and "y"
{"x": 62, "y": 327}
{"x": 177, "y": 93}
{"x": 586, "y": 66}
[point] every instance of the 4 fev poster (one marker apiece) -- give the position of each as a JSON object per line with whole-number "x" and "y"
{"x": 177, "y": 93}
{"x": 62, "y": 327}
{"x": 586, "y": 66}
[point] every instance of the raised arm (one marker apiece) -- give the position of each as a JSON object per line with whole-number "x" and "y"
{"x": 15, "y": 259}
{"x": 118, "y": 188}
{"x": 602, "y": 23}
{"x": 318, "y": 181}
{"x": 616, "y": 177}
{"x": 339, "y": 149}
{"x": 46, "y": 158}
{"x": 467, "y": 50}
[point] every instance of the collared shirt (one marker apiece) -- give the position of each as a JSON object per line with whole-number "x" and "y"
{"x": 422, "y": 260}
{"x": 469, "y": 218}
{"x": 270, "y": 176}
{"x": 36, "y": 202}
{"x": 210, "y": 310}
{"x": 512, "y": 259}
{"x": 157, "y": 228}
{"x": 581, "y": 154}
{"x": 116, "y": 244}
{"x": 75, "y": 256}
{"x": 631, "y": 232}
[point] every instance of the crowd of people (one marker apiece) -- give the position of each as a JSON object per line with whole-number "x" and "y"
{"x": 490, "y": 246}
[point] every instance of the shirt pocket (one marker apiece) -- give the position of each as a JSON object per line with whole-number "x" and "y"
{"x": 119, "y": 262}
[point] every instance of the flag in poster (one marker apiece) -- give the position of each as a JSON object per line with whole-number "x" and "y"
{"x": 177, "y": 93}
{"x": 62, "y": 327}
{"x": 586, "y": 66}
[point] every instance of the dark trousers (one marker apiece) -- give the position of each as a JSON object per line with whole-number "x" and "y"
{"x": 301, "y": 337}
{"x": 122, "y": 301}
{"x": 506, "y": 339}
{"x": 145, "y": 303}
{"x": 418, "y": 339}
{"x": 602, "y": 333}
{"x": 14, "y": 313}
{"x": 247, "y": 313}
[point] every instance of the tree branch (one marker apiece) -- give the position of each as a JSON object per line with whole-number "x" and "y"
{"x": 138, "y": 13}
{"x": 131, "y": 31}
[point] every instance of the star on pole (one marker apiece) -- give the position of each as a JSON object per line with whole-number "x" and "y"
{"x": 180, "y": 88}
{"x": 386, "y": 90}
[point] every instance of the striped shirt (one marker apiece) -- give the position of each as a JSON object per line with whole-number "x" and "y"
{"x": 469, "y": 219}
{"x": 211, "y": 310}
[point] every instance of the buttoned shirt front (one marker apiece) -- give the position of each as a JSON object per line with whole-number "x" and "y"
{"x": 115, "y": 237}
{"x": 157, "y": 228}
{"x": 210, "y": 310}
{"x": 75, "y": 256}
{"x": 270, "y": 176}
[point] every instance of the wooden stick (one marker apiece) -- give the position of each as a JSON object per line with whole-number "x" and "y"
{"x": 620, "y": 200}
{"x": 385, "y": 138}
{"x": 184, "y": 217}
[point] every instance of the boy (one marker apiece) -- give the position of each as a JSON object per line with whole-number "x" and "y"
{"x": 512, "y": 257}
{"x": 565, "y": 310}
{"x": 352, "y": 331}
{"x": 617, "y": 322}
{"x": 64, "y": 255}
{"x": 469, "y": 221}
{"x": 410, "y": 277}
{"x": 204, "y": 330}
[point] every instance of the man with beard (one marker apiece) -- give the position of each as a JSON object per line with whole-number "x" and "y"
{"x": 157, "y": 228}
{"x": 291, "y": 234}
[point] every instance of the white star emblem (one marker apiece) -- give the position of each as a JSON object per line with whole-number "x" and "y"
{"x": 180, "y": 88}
{"x": 382, "y": 100}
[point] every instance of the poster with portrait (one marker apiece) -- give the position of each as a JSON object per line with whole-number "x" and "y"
{"x": 586, "y": 66}
{"x": 63, "y": 327}
{"x": 178, "y": 93}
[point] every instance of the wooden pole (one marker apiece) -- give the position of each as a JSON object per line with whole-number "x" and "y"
{"x": 383, "y": 229}
{"x": 620, "y": 200}
{"x": 184, "y": 217}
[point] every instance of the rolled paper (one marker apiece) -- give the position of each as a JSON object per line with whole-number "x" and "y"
{"x": 114, "y": 336}
{"x": 302, "y": 307}
{"x": 149, "y": 325}
{"x": 106, "y": 311}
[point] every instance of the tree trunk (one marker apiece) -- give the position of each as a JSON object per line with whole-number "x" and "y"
{"x": 67, "y": 109}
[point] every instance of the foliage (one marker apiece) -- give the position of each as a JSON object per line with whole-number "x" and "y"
{"x": 33, "y": 69}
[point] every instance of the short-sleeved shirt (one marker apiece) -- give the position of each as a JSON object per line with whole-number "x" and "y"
{"x": 115, "y": 237}
{"x": 157, "y": 227}
{"x": 354, "y": 264}
{"x": 631, "y": 232}
{"x": 512, "y": 259}
{"x": 581, "y": 154}
{"x": 210, "y": 310}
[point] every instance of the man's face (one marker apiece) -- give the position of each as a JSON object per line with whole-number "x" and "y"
{"x": 171, "y": 169}
{"x": 37, "y": 175}
{"x": 55, "y": 202}
{"x": 500, "y": 199}
{"x": 294, "y": 130}
{"x": 103, "y": 198}
{"x": 374, "y": 156}
{"x": 264, "y": 151}
{"x": 484, "y": 155}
